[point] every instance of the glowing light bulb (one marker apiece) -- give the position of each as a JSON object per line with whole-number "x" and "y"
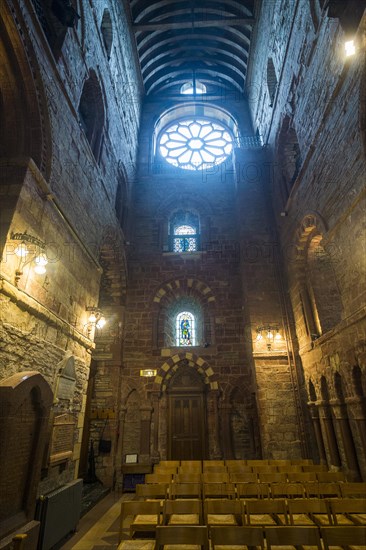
{"x": 259, "y": 337}
{"x": 21, "y": 250}
{"x": 270, "y": 335}
{"x": 101, "y": 323}
{"x": 350, "y": 48}
{"x": 92, "y": 318}
{"x": 278, "y": 336}
{"x": 40, "y": 269}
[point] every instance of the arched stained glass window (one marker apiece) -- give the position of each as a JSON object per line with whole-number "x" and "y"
{"x": 185, "y": 239}
{"x": 185, "y": 329}
{"x": 189, "y": 88}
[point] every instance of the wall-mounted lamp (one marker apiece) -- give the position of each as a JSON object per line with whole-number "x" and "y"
{"x": 148, "y": 373}
{"x": 350, "y": 48}
{"x": 268, "y": 334}
{"x": 96, "y": 317}
{"x": 30, "y": 249}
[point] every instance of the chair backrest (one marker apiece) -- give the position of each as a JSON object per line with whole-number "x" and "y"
{"x": 222, "y": 506}
{"x": 239, "y": 468}
{"x": 152, "y": 490}
{"x": 243, "y": 477}
{"x": 184, "y": 506}
{"x": 190, "y": 477}
{"x": 346, "y": 506}
{"x": 264, "y": 468}
{"x": 290, "y": 468}
{"x": 235, "y": 463}
{"x": 322, "y": 490}
{"x": 219, "y": 490}
{"x": 288, "y": 490}
{"x": 185, "y": 490}
{"x": 179, "y": 535}
{"x": 346, "y": 535}
{"x": 165, "y": 469}
{"x": 314, "y": 468}
{"x": 330, "y": 476}
{"x": 214, "y": 468}
{"x": 174, "y": 463}
{"x": 308, "y": 506}
{"x": 252, "y": 490}
{"x": 213, "y": 462}
{"x": 257, "y": 462}
{"x": 235, "y": 536}
{"x": 292, "y": 536}
{"x": 158, "y": 478}
{"x": 301, "y": 476}
{"x": 263, "y": 506}
{"x": 302, "y": 461}
{"x": 212, "y": 477}
{"x": 356, "y": 489}
{"x": 271, "y": 478}
{"x": 280, "y": 462}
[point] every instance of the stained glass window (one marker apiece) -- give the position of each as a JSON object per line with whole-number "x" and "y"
{"x": 185, "y": 239}
{"x": 195, "y": 144}
{"x": 185, "y": 329}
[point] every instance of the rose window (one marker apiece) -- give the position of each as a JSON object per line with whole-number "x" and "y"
{"x": 195, "y": 144}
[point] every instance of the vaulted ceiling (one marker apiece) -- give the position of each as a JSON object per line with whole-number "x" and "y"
{"x": 177, "y": 39}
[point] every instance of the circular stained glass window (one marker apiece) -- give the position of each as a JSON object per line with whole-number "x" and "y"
{"x": 195, "y": 144}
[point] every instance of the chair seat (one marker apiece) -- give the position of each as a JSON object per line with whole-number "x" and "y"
{"x": 302, "y": 519}
{"x": 184, "y": 519}
{"x": 221, "y": 519}
{"x": 182, "y": 546}
{"x": 321, "y": 519}
{"x": 358, "y": 518}
{"x": 137, "y": 545}
{"x": 261, "y": 519}
{"x": 343, "y": 520}
{"x": 145, "y": 519}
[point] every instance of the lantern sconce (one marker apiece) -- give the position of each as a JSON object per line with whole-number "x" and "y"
{"x": 30, "y": 249}
{"x": 269, "y": 334}
{"x": 96, "y": 317}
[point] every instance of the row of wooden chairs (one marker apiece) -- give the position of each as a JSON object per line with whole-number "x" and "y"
{"x": 238, "y": 468}
{"x": 253, "y": 490}
{"x": 237, "y": 477}
{"x": 259, "y": 462}
{"x": 221, "y": 537}
{"x": 148, "y": 514}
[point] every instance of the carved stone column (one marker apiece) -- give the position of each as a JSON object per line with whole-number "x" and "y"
{"x": 119, "y": 452}
{"x": 346, "y": 446}
{"x": 314, "y": 413}
{"x": 146, "y": 413}
{"x": 214, "y": 450}
{"x": 329, "y": 436}
{"x": 225, "y": 424}
{"x": 356, "y": 407}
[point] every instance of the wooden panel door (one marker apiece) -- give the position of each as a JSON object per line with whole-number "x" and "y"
{"x": 187, "y": 425}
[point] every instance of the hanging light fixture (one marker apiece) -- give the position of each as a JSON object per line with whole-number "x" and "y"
{"x": 30, "y": 249}
{"x": 269, "y": 334}
{"x": 96, "y": 318}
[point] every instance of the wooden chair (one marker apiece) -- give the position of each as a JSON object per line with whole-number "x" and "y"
{"x": 265, "y": 512}
{"x": 239, "y": 469}
{"x": 152, "y": 491}
{"x": 298, "y": 536}
{"x": 301, "y": 477}
{"x": 252, "y": 490}
{"x": 322, "y": 490}
{"x": 308, "y": 511}
{"x": 236, "y": 536}
{"x": 289, "y": 469}
{"x": 234, "y": 463}
{"x": 222, "y": 512}
{"x": 158, "y": 478}
{"x": 287, "y": 490}
{"x": 137, "y": 544}
{"x": 174, "y": 463}
{"x": 279, "y": 462}
{"x": 314, "y": 468}
{"x": 174, "y": 537}
{"x": 348, "y": 511}
{"x": 353, "y": 489}
{"x": 325, "y": 477}
{"x": 302, "y": 461}
{"x": 257, "y": 462}
{"x": 185, "y": 490}
{"x": 213, "y": 463}
{"x": 182, "y": 512}
{"x": 214, "y": 477}
{"x": 274, "y": 477}
{"x": 214, "y": 468}
{"x": 165, "y": 470}
{"x": 243, "y": 477}
{"x": 339, "y": 536}
{"x": 146, "y": 515}
{"x": 218, "y": 490}
{"x": 191, "y": 477}
{"x": 264, "y": 469}
{"x": 189, "y": 465}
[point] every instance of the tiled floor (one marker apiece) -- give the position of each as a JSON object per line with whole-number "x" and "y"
{"x": 98, "y": 529}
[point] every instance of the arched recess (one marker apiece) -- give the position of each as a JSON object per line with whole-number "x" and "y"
{"x": 183, "y": 295}
{"x": 317, "y": 307}
{"x": 243, "y": 422}
{"x": 121, "y": 203}
{"x": 92, "y": 113}
{"x": 290, "y": 158}
{"x": 25, "y": 127}
{"x": 330, "y": 439}
{"x": 106, "y": 28}
{"x": 272, "y": 81}
{"x": 131, "y": 439}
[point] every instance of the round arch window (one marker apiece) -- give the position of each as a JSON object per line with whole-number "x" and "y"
{"x": 195, "y": 144}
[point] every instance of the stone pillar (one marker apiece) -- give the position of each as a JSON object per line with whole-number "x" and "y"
{"x": 155, "y": 457}
{"x": 329, "y": 436}
{"x": 347, "y": 446}
{"x": 119, "y": 452}
{"x": 314, "y": 413}
{"x": 145, "y": 432}
{"x": 356, "y": 407}
{"x": 225, "y": 424}
{"x": 214, "y": 446}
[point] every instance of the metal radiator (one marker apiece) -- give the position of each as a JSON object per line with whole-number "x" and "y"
{"x": 59, "y": 513}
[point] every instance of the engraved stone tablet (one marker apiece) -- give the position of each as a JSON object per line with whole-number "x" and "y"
{"x": 62, "y": 438}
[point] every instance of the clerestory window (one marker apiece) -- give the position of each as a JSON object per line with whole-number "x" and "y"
{"x": 184, "y": 232}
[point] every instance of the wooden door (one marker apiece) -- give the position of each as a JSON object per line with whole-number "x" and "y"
{"x": 187, "y": 426}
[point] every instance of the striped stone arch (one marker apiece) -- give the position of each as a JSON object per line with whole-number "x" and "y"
{"x": 178, "y": 287}
{"x": 172, "y": 364}
{"x": 311, "y": 225}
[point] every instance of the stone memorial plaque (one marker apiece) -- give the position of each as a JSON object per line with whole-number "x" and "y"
{"x": 62, "y": 442}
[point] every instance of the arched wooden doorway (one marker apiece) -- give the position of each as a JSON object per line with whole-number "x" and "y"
{"x": 187, "y": 416}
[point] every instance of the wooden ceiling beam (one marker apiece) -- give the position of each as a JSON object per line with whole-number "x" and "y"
{"x": 230, "y": 22}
